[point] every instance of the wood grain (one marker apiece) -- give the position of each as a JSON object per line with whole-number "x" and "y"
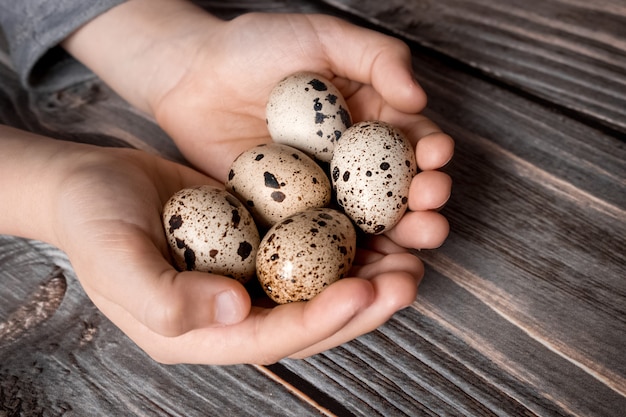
{"x": 524, "y": 308}
{"x": 568, "y": 52}
{"x": 522, "y": 312}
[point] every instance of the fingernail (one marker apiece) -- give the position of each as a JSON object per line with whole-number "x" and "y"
{"x": 227, "y": 308}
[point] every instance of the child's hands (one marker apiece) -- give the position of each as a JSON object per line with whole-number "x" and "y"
{"x": 206, "y": 82}
{"x": 102, "y": 207}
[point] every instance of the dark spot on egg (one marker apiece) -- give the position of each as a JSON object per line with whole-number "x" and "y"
{"x": 325, "y": 216}
{"x": 236, "y": 218}
{"x": 368, "y": 173}
{"x": 270, "y": 180}
{"x": 345, "y": 117}
{"x": 407, "y": 163}
{"x": 346, "y": 176}
{"x": 343, "y": 250}
{"x": 231, "y": 175}
{"x": 180, "y": 243}
{"x": 259, "y": 157}
{"x": 244, "y": 250}
{"x": 404, "y": 200}
{"x": 337, "y": 135}
{"x": 379, "y": 228}
{"x": 176, "y": 221}
{"x": 335, "y": 173}
{"x": 278, "y": 196}
{"x": 250, "y": 203}
{"x": 389, "y": 193}
{"x": 320, "y": 117}
{"x": 384, "y": 166}
{"x": 320, "y": 133}
{"x": 317, "y": 85}
{"x": 295, "y": 156}
{"x": 213, "y": 253}
{"x": 274, "y": 257}
{"x": 190, "y": 259}
{"x": 331, "y": 98}
{"x": 317, "y": 106}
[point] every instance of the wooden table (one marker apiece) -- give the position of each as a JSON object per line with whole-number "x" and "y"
{"x": 521, "y": 312}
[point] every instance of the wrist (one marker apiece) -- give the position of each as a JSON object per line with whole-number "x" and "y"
{"x": 32, "y": 169}
{"x": 142, "y": 48}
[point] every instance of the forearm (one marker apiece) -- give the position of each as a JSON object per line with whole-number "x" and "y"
{"x": 31, "y": 170}
{"x": 136, "y": 47}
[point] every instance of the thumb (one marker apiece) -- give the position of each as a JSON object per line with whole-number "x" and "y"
{"x": 183, "y": 301}
{"x": 139, "y": 280}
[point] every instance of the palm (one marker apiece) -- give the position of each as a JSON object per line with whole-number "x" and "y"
{"x": 217, "y": 111}
{"x": 110, "y": 212}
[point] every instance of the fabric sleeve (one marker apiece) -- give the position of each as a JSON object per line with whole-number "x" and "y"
{"x": 33, "y": 30}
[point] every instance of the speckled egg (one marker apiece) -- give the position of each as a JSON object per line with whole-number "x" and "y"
{"x": 305, "y": 253}
{"x": 307, "y": 111}
{"x": 275, "y": 181}
{"x": 209, "y": 230}
{"x": 371, "y": 170}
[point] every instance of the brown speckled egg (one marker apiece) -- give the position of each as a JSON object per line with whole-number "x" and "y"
{"x": 307, "y": 111}
{"x": 209, "y": 230}
{"x": 371, "y": 171}
{"x": 305, "y": 253}
{"x": 275, "y": 181}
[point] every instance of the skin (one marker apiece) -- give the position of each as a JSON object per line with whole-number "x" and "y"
{"x": 205, "y": 82}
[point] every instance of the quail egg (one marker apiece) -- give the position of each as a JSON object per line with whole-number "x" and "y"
{"x": 305, "y": 253}
{"x": 210, "y": 230}
{"x": 306, "y": 111}
{"x": 371, "y": 172}
{"x": 275, "y": 181}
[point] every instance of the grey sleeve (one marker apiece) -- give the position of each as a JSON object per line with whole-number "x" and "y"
{"x": 34, "y": 28}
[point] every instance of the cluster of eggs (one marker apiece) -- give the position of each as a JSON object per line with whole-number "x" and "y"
{"x": 282, "y": 190}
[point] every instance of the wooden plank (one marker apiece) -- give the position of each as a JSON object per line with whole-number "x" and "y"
{"x": 76, "y": 361}
{"x": 524, "y": 309}
{"x": 569, "y": 52}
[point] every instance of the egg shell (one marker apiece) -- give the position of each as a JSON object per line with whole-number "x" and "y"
{"x": 371, "y": 172}
{"x": 275, "y": 181}
{"x": 209, "y": 230}
{"x": 306, "y": 111}
{"x": 305, "y": 253}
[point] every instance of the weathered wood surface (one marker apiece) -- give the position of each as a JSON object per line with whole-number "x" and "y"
{"x": 568, "y": 52}
{"x": 522, "y": 311}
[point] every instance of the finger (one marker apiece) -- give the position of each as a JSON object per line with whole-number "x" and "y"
{"x": 429, "y": 190}
{"x": 405, "y": 261}
{"x": 373, "y": 248}
{"x": 370, "y": 57}
{"x": 434, "y": 151}
{"x": 420, "y": 230}
{"x": 394, "y": 291}
{"x": 433, "y": 148}
{"x": 132, "y": 273}
{"x": 266, "y": 336}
